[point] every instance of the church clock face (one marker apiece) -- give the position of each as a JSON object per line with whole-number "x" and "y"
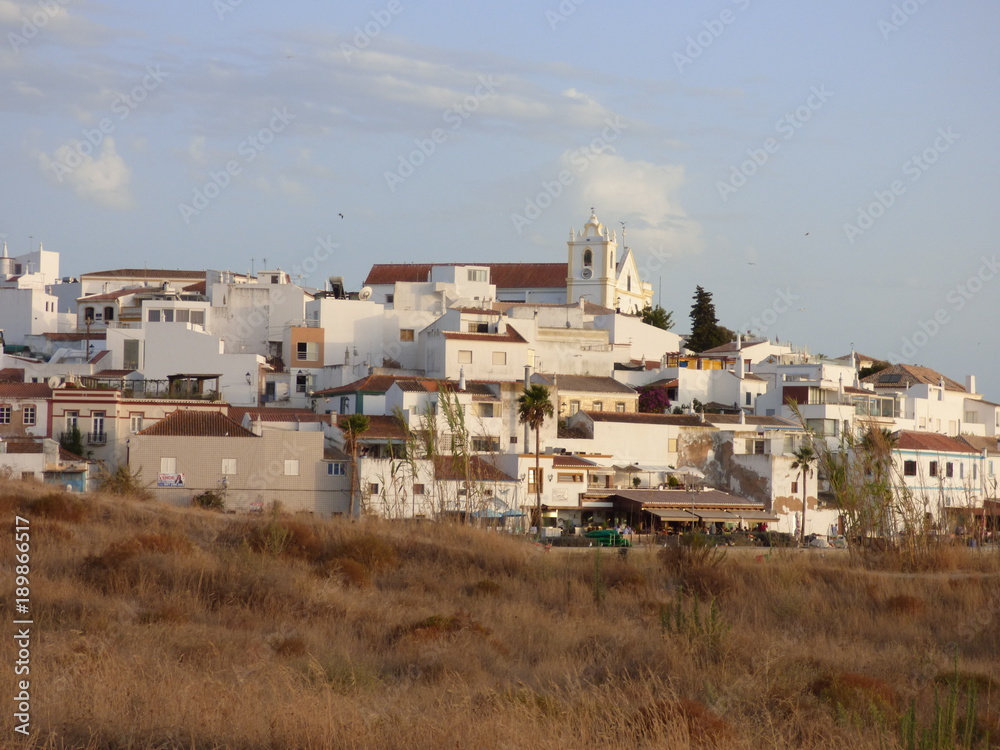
{"x": 587, "y": 273}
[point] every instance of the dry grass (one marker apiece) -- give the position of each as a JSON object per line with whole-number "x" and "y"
{"x": 161, "y": 627}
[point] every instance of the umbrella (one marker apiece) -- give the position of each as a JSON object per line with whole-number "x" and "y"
{"x": 690, "y": 471}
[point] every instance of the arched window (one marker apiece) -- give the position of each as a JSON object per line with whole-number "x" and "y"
{"x": 628, "y": 283}
{"x": 109, "y": 313}
{"x": 88, "y": 314}
{"x": 588, "y": 257}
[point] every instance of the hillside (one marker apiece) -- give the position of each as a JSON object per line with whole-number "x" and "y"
{"x": 158, "y": 627}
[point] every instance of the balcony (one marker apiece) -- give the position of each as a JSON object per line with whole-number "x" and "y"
{"x": 97, "y": 438}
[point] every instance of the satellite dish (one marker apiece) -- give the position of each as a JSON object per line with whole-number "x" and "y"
{"x": 54, "y": 382}
{"x": 365, "y": 293}
{"x": 587, "y": 273}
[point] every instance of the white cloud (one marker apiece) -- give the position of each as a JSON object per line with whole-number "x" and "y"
{"x": 104, "y": 180}
{"x": 644, "y": 196}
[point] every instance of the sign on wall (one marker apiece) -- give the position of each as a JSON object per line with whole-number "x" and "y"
{"x": 169, "y": 480}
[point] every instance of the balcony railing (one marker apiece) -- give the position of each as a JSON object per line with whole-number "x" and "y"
{"x": 97, "y": 438}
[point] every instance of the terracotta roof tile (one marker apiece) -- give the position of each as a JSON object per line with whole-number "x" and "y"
{"x": 511, "y": 337}
{"x": 680, "y": 420}
{"x": 380, "y": 428}
{"x": 904, "y": 376}
{"x": 583, "y": 383}
{"x": 263, "y": 414}
{"x": 25, "y": 390}
{"x": 980, "y": 443}
{"x": 12, "y": 375}
{"x": 194, "y": 423}
{"x": 503, "y": 275}
{"x": 931, "y": 441}
{"x": 566, "y": 461}
{"x": 448, "y": 468}
{"x": 118, "y": 293}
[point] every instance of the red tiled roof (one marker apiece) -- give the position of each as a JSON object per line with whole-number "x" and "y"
{"x": 980, "y": 443}
{"x": 909, "y": 375}
{"x": 25, "y": 390}
{"x": 111, "y": 374}
{"x": 198, "y": 287}
{"x": 448, "y": 468}
{"x": 369, "y": 384}
{"x": 93, "y": 336}
{"x": 565, "y": 461}
{"x": 12, "y": 375}
{"x": 511, "y": 337}
{"x": 236, "y": 413}
{"x": 931, "y": 441}
{"x": 380, "y": 428}
{"x": 583, "y": 383}
{"x": 503, "y": 275}
{"x": 192, "y": 423}
{"x": 144, "y": 273}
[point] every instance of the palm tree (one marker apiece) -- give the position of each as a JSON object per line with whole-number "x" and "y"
{"x": 805, "y": 457}
{"x": 354, "y": 425}
{"x": 532, "y": 408}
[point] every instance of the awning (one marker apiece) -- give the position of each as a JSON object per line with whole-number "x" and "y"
{"x": 671, "y": 514}
{"x": 713, "y": 516}
{"x": 755, "y": 515}
{"x": 596, "y": 504}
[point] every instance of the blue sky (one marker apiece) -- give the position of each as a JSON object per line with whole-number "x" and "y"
{"x": 826, "y": 171}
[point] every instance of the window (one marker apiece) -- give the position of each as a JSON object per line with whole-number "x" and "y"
{"x": 418, "y": 489}
{"x": 88, "y": 314}
{"x": 485, "y": 444}
{"x": 574, "y": 407}
{"x": 168, "y": 316}
{"x": 291, "y": 467}
{"x": 168, "y": 465}
{"x": 198, "y": 317}
{"x": 489, "y": 410}
{"x": 389, "y": 298}
{"x": 477, "y": 274}
{"x": 135, "y": 423}
{"x": 934, "y": 468}
{"x": 344, "y": 404}
{"x": 795, "y": 487}
{"x": 531, "y": 481}
{"x": 671, "y": 445}
{"x": 749, "y": 400}
{"x": 465, "y": 356}
{"x": 588, "y": 257}
{"x": 406, "y": 334}
{"x": 97, "y": 423}
{"x": 109, "y": 313}
{"x": 229, "y": 466}
{"x": 500, "y": 358}
{"x": 909, "y": 468}
{"x": 598, "y": 406}
{"x": 975, "y": 472}
{"x": 71, "y": 419}
{"x": 301, "y": 382}
{"x": 182, "y": 316}
{"x": 130, "y": 354}
{"x": 29, "y": 415}
{"x": 4, "y": 415}
{"x": 961, "y": 471}
{"x": 473, "y": 327}
{"x": 571, "y": 477}
{"x": 336, "y": 469}
{"x": 373, "y": 488}
{"x": 949, "y": 469}
{"x": 620, "y": 407}
{"x": 307, "y": 350}
{"x": 628, "y": 283}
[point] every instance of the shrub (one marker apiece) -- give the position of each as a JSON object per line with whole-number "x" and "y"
{"x": 209, "y": 500}
{"x": 123, "y": 481}
{"x": 60, "y": 506}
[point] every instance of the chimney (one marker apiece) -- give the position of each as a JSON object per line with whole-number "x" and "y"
{"x": 941, "y": 386}
{"x": 461, "y": 378}
{"x": 583, "y": 303}
{"x": 970, "y": 383}
{"x": 502, "y": 326}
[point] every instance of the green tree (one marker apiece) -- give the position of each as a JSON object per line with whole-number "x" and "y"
{"x": 354, "y": 426}
{"x": 72, "y": 440}
{"x": 706, "y": 333}
{"x": 533, "y": 407}
{"x": 657, "y": 317}
{"x": 805, "y": 459}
